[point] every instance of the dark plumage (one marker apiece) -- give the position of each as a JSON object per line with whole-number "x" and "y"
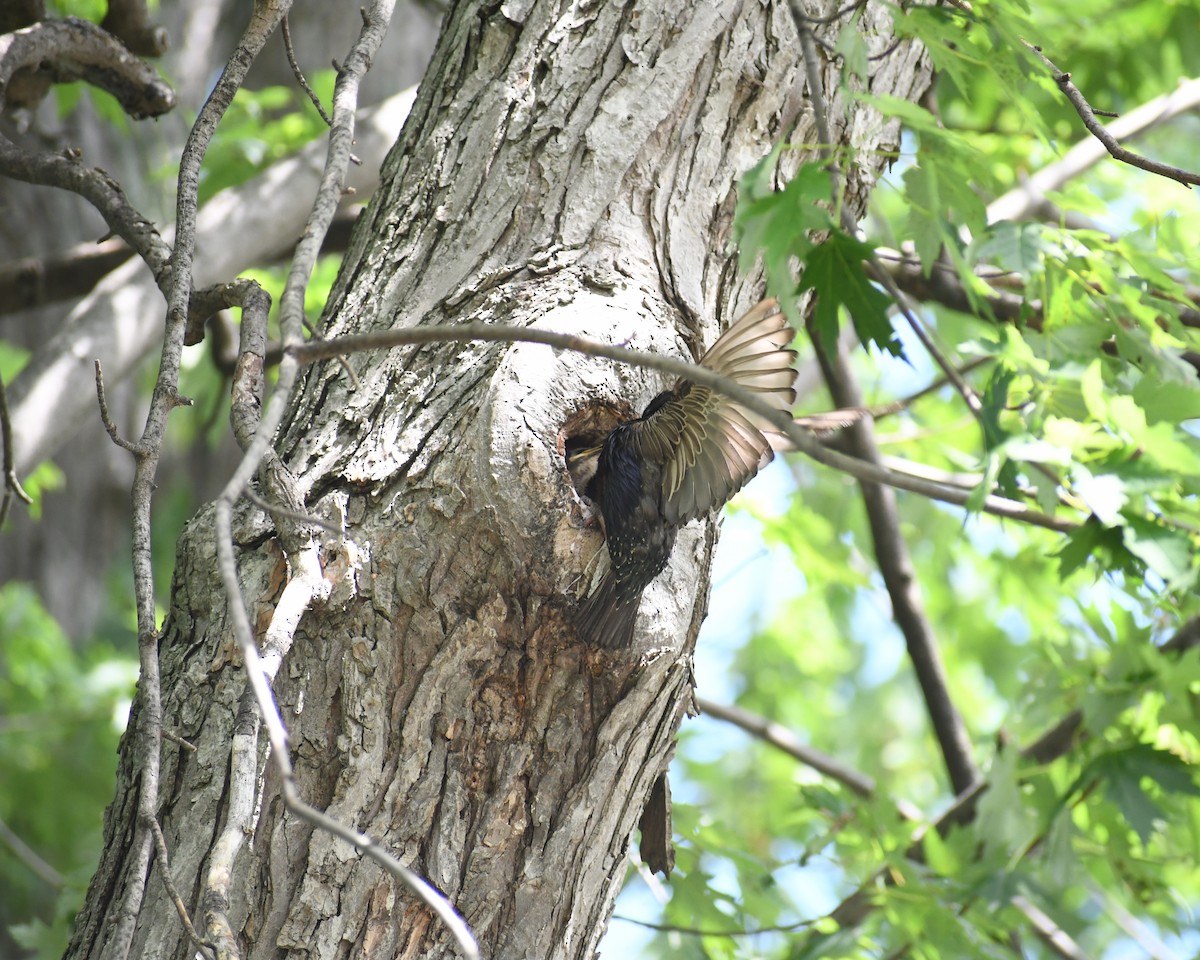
{"x": 688, "y": 453}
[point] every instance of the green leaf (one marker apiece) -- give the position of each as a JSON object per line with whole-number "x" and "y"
{"x": 776, "y": 225}
{"x": 1124, "y": 771}
{"x": 834, "y": 269}
{"x": 1167, "y": 552}
{"x": 1093, "y": 539}
{"x": 1165, "y": 400}
{"x": 853, "y": 49}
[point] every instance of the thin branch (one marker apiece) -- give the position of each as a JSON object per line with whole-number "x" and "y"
{"x": 164, "y": 870}
{"x": 780, "y": 736}
{"x": 895, "y": 565}
{"x": 1096, "y": 128}
{"x": 1021, "y": 201}
{"x": 176, "y": 738}
{"x": 165, "y": 398}
{"x": 802, "y": 439}
{"x": 110, "y": 427}
{"x": 70, "y": 49}
{"x": 891, "y": 551}
{"x": 728, "y": 934}
{"x": 28, "y": 856}
{"x": 1054, "y": 743}
{"x": 81, "y": 50}
{"x": 299, "y": 74}
{"x": 12, "y": 485}
{"x": 942, "y": 285}
{"x": 300, "y": 516}
{"x": 307, "y": 583}
{"x": 1135, "y": 929}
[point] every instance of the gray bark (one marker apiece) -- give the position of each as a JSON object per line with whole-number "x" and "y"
{"x": 572, "y": 167}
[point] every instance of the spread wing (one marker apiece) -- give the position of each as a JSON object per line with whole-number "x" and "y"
{"x": 712, "y": 445}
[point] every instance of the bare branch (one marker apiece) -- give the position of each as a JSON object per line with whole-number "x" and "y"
{"x": 1096, "y": 128}
{"x": 299, "y": 74}
{"x": 122, "y": 320}
{"x": 106, "y": 417}
{"x": 12, "y": 485}
{"x": 307, "y": 583}
{"x": 62, "y": 51}
{"x": 299, "y": 516}
{"x": 942, "y": 285}
{"x": 263, "y": 20}
{"x": 28, "y": 856}
{"x": 80, "y": 50}
{"x": 164, "y": 870}
{"x": 802, "y": 439}
{"x": 1020, "y": 202}
{"x": 728, "y": 934}
{"x": 895, "y": 564}
{"x": 780, "y": 736}
{"x": 891, "y": 551}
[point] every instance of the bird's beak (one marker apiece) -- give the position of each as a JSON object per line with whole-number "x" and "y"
{"x": 583, "y": 453}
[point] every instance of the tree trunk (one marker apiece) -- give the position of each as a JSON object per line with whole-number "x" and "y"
{"x": 571, "y": 167}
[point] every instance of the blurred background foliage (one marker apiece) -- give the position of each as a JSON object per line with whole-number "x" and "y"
{"x": 1033, "y": 627}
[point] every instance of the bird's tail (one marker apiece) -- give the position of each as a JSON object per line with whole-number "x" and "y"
{"x": 606, "y": 619}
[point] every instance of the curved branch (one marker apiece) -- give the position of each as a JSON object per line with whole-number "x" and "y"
{"x": 73, "y": 49}
{"x": 307, "y": 585}
{"x": 149, "y": 447}
{"x": 801, "y": 438}
{"x": 1096, "y": 128}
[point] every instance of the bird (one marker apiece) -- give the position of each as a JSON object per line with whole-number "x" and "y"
{"x": 691, "y": 449}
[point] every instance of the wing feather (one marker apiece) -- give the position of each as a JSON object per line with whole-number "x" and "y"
{"x": 720, "y": 444}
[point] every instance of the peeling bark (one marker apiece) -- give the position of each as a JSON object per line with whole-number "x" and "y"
{"x": 569, "y": 166}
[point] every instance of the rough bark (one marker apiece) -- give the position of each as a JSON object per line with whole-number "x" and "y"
{"x": 571, "y": 166}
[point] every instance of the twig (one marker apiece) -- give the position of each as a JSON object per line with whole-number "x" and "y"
{"x": 176, "y": 738}
{"x": 864, "y": 786}
{"x": 165, "y": 398}
{"x": 780, "y": 736}
{"x": 1137, "y": 931}
{"x": 28, "y": 856}
{"x": 12, "y": 485}
{"x": 105, "y": 417}
{"x": 300, "y": 516}
{"x": 1019, "y": 202}
{"x": 81, "y": 50}
{"x": 299, "y": 74}
{"x": 728, "y": 934}
{"x": 1054, "y": 743}
{"x": 1049, "y": 932}
{"x": 1096, "y": 128}
{"x": 307, "y": 583}
{"x": 164, "y": 870}
{"x": 802, "y": 439}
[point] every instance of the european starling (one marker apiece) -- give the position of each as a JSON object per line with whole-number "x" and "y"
{"x": 688, "y": 453}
